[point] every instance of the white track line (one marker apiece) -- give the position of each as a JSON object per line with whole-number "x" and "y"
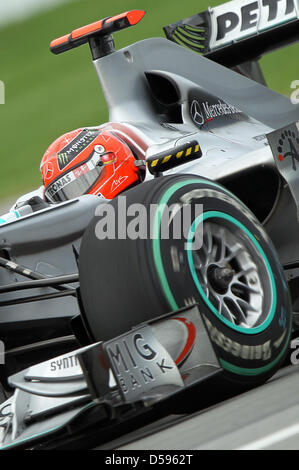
{"x": 272, "y": 438}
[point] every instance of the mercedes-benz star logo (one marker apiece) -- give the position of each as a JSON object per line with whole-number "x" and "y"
{"x": 49, "y": 170}
{"x": 196, "y": 113}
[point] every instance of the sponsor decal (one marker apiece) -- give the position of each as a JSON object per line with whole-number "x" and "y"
{"x": 140, "y": 363}
{"x": 288, "y": 146}
{"x": 205, "y": 108}
{"x": 239, "y": 19}
{"x": 59, "y": 184}
{"x": 261, "y": 352}
{"x": 62, "y": 367}
{"x": 75, "y": 147}
{"x": 64, "y": 363}
{"x": 48, "y": 171}
{"x": 196, "y": 113}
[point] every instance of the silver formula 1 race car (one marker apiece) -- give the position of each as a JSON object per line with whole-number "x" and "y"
{"x": 106, "y": 329}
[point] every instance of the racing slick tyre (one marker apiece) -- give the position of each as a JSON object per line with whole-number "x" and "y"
{"x": 224, "y": 261}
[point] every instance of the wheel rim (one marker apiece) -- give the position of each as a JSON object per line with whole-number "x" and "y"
{"x": 170, "y": 295}
{"x": 248, "y": 301}
{"x": 232, "y": 275}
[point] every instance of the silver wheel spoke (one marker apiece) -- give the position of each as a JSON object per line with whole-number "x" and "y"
{"x": 233, "y": 254}
{"x": 197, "y": 262}
{"x": 205, "y": 252}
{"x": 222, "y": 246}
{"x": 245, "y": 304}
{"x": 242, "y": 286}
{"x": 232, "y": 275}
{"x": 225, "y": 311}
{"x": 206, "y": 290}
{"x": 209, "y": 239}
{"x": 241, "y": 315}
{"x": 214, "y": 252}
{"x": 245, "y": 272}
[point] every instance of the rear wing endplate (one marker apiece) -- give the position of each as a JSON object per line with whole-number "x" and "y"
{"x": 240, "y": 30}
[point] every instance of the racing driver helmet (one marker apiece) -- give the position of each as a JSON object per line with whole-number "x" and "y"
{"x": 87, "y": 161}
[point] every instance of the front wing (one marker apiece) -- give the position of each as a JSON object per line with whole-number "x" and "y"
{"x": 107, "y": 383}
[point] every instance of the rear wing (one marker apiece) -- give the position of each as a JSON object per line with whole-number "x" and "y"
{"x": 239, "y": 31}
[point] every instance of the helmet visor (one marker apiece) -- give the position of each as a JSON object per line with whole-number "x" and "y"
{"x": 75, "y": 183}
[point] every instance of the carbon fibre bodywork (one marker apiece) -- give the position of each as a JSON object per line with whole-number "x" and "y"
{"x": 43, "y": 241}
{"x": 234, "y": 145}
{"x": 161, "y": 98}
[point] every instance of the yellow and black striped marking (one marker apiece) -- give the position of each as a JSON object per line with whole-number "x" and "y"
{"x": 176, "y": 156}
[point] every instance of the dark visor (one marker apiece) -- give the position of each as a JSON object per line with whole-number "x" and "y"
{"x": 73, "y": 184}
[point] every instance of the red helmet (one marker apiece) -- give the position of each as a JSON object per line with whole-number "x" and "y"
{"x": 87, "y": 161}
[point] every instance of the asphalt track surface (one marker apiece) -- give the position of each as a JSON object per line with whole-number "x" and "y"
{"x": 266, "y": 417}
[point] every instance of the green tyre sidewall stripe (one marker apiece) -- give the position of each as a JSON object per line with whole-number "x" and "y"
{"x": 169, "y": 295}
{"x": 156, "y": 231}
{"x": 270, "y": 316}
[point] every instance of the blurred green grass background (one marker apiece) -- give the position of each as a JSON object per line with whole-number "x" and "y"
{"x": 48, "y": 95}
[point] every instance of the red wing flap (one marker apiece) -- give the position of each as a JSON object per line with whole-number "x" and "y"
{"x": 99, "y": 28}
